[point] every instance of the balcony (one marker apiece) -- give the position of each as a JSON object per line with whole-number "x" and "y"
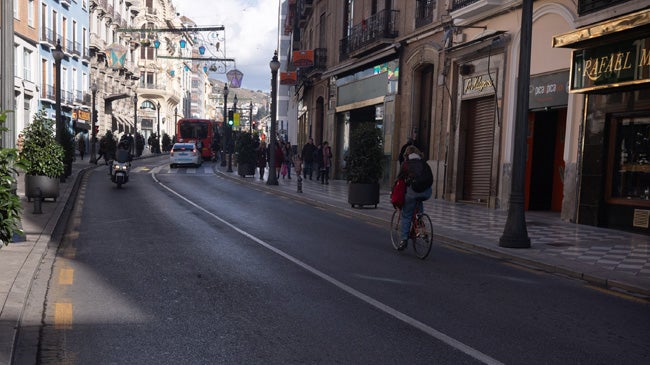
{"x": 76, "y": 50}
{"x": 464, "y": 9}
{"x": 371, "y": 33}
{"x": 304, "y": 9}
{"x": 592, "y": 6}
{"x": 48, "y": 36}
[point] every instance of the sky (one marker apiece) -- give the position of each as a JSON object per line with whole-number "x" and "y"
{"x": 251, "y": 31}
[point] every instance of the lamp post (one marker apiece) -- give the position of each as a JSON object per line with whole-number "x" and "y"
{"x": 93, "y": 117}
{"x": 175, "y": 115}
{"x": 135, "y": 123}
{"x": 275, "y": 66}
{"x": 224, "y": 125}
{"x": 158, "y": 133}
{"x": 250, "y": 117}
{"x": 58, "y": 56}
{"x": 230, "y": 141}
{"x": 515, "y": 234}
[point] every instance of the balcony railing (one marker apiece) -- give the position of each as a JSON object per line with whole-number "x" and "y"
{"x": 48, "y": 36}
{"x": 77, "y": 49}
{"x": 379, "y": 26}
{"x": 459, "y": 4}
{"x": 424, "y": 12}
{"x": 49, "y": 93}
{"x": 591, "y": 6}
{"x": 152, "y": 86}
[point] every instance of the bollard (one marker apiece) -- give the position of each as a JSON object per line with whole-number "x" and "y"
{"x": 37, "y": 202}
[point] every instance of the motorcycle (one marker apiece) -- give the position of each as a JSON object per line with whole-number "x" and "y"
{"x": 120, "y": 173}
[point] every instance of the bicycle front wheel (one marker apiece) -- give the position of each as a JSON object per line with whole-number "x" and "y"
{"x": 424, "y": 236}
{"x": 395, "y": 222}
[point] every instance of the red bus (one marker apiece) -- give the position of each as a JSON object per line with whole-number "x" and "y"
{"x": 197, "y": 130}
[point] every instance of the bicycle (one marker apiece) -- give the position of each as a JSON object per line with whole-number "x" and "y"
{"x": 420, "y": 233}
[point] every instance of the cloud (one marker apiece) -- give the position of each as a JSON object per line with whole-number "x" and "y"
{"x": 251, "y": 33}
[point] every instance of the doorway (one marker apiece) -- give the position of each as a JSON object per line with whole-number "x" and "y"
{"x": 544, "y": 187}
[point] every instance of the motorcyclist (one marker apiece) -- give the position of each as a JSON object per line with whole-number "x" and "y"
{"x": 123, "y": 154}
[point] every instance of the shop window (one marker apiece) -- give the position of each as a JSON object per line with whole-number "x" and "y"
{"x": 629, "y": 161}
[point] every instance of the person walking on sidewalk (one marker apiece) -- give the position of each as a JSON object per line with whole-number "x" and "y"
{"x": 419, "y": 179}
{"x": 326, "y": 164}
{"x": 261, "y": 157}
{"x": 307, "y": 154}
{"x": 81, "y": 145}
{"x": 318, "y": 160}
{"x": 288, "y": 159}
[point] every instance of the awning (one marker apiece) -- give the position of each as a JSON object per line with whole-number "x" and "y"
{"x": 357, "y": 63}
{"x": 624, "y": 27}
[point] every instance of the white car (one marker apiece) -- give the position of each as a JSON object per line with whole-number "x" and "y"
{"x": 185, "y": 153}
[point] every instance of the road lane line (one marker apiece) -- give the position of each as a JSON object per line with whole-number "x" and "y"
{"x": 66, "y": 276}
{"x": 63, "y": 315}
{"x": 470, "y": 351}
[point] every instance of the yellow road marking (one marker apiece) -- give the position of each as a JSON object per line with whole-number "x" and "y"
{"x": 66, "y": 276}
{"x": 63, "y": 315}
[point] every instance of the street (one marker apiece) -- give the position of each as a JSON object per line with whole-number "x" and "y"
{"x": 183, "y": 266}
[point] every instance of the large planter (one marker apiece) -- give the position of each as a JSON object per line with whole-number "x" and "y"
{"x": 363, "y": 194}
{"x": 244, "y": 169}
{"x": 48, "y": 186}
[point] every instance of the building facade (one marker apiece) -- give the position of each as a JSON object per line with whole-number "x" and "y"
{"x": 445, "y": 74}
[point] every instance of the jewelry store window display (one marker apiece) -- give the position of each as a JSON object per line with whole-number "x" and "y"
{"x": 630, "y": 157}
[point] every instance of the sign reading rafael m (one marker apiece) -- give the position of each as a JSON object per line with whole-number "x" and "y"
{"x": 612, "y": 65}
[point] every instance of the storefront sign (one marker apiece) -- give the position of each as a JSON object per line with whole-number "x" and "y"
{"x": 288, "y": 78}
{"x": 611, "y": 65}
{"x": 549, "y": 90}
{"x": 303, "y": 58}
{"x": 81, "y": 115}
{"x": 479, "y": 85}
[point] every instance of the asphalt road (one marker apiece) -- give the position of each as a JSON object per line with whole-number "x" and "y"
{"x": 180, "y": 268}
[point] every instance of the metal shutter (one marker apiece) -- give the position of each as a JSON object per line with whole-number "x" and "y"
{"x": 478, "y": 149}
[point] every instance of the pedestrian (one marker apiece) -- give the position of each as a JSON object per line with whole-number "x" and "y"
{"x": 318, "y": 160}
{"x": 307, "y": 154}
{"x": 326, "y": 164}
{"x": 81, "y": 145}
{"x": 261, "y": 154}
{"x": 419, "y": 179}
{"x": 297, "y": 163}
{"x": 279, "y": 156}
{"x": 287, "y": 153}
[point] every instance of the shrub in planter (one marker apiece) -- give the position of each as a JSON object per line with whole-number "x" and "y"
{"x": 10, "y": 208}
{"x": 41, "y": 156}
{"x": 364, "y": 165}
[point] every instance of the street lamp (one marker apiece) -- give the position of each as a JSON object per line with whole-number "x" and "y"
{"x": 224, "y": 125}
{"x": 158, "y": 134}
{"x": 175, "y": 115}
{"x": 58, "y": 56}
{"x": 250, "y": 117}
{"x": 515, "y": 234}
{"x": 135, "y": 123}
{"x": 275, "y": 66}
{"x": 93, "y": 117}
{"x": 230, "y": 141}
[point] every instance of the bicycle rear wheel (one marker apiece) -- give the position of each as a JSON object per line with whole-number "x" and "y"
{"x": 424, "y": 236}
{"x": 395, "y": 222}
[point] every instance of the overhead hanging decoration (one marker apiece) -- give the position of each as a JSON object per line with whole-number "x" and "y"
{"x": 116, "y": 56}
{"x": 234, "y": 78}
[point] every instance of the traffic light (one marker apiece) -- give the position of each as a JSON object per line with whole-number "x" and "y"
{"x": 254, "y": 125}
{"x": 231, "y": 118}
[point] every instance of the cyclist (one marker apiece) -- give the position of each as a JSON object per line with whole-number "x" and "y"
{"x": 417, "y": 174}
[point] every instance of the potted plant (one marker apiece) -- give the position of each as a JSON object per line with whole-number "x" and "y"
{"x": 41, "y": 158}
{"x": 364, "y": 165}
{"x": 10, "y": 208}
{"x": 245, "y": 152}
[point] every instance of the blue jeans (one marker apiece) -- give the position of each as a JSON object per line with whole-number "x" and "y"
{"x": 412, "y": 200}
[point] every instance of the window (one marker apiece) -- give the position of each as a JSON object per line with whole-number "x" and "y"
{"x": 16, "y": 7}
{"x": 27, "y": 65}
{"x": 30, "y": 13}
{"x": 629, "y": 161}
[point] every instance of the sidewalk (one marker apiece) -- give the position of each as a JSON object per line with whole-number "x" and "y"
{"x": 604, "y": 257}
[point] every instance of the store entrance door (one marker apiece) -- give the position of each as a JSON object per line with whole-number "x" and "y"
{"x": 544, "y": 188}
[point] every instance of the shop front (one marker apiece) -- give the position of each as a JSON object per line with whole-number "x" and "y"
{"x": 611, "y": 67}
